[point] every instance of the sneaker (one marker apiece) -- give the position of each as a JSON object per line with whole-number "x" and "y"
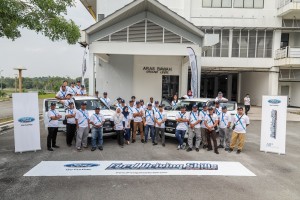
{"x": 183, "y": 145}
{"x": 178, "y": 147}
{"x": 50, "y": 149}
{"x": 79, "y": 149}
{"x": 163, "y": 145}
{"x": 189, "y": 149}
{"x": 197, "y": 149}
{"x": 209, "y": 149}
{"x": 220, "y": 146}
{"x": 55, "y": 146}
{"x": 154, "y": 144}
{"x": 85, "y": 147}
{"x": 133, "y": 141}
{"x": 101, "y": 148}
{"x": 127, "y": 142}
{"x": 226, "y": 149}
{"x": 122, "y": 146}
{"x": 230, "y": 150}
{"x": 142, "y": 140}
{"x": 93, "y": 149}
{"x": 216, "y": 152}
{"x": 204, "y": 146}
{"x": 69, "y": 145}
{"x": 238, "y": 151}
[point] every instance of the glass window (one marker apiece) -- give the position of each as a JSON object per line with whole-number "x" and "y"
{"x": 260, "y": 44}
{"x": 225, "y": 43}
{"x": 258, "y": 3}
{"x": 226, "y": 3}
{"x": 252, "y": 44}
{"x": 235, "y": 43}
{"x": 216, "y": 3}
{"x": 217, "y": 47}
{"x": 244, "y": 44}
{"x": 269, "y": 44}
{"x": 206, "y": 3}
{"x": 238, "y": 3}
{"x": 248, "y": 3}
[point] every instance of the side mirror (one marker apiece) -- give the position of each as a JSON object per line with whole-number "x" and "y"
{"x": 168, "y": 108}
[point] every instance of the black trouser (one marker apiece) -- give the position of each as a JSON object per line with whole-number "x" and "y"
{"x": 247, "y": 108}
{"x": 71, "y": 129}
{"x": 120, "y": 137}
{"x": 131, "y": 128}
{"x": 211, "y": 134}
{"x": 52, "y": 133}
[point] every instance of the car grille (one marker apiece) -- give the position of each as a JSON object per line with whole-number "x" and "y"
{"x": 108, "y": 126}
{"x": 170, "y": 126}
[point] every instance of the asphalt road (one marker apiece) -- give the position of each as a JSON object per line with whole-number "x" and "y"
{"x": 278, "y": 176}
{"x": 6, "y": 108}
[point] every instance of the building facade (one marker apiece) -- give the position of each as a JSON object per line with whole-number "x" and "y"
{"x": 139, "y": 47}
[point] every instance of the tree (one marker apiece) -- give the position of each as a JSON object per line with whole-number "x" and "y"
{"x": 42, "y": 16}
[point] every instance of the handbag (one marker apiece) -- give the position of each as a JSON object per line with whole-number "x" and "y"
{"x": 65, "y": 121}
{"x": 216, "y": 128}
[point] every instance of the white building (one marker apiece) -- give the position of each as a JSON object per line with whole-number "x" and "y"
{"x": 139, "y": 47}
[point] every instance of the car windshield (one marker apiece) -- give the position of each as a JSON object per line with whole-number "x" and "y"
{"x": 59, "y": 106}
{"x": 189, "y": 105}
{"x": 91, "y": 104}
{"x": 230, "y": 105}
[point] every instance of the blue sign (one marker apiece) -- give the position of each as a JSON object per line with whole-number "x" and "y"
{"x": 26, "y": 119}
{"x": 274, "y": 101}
{"x": 81, "y": 165}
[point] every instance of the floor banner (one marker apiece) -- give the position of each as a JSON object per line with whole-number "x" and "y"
{"x": 26, "y": 122}
{"x": 159, "y": 168}
{"x": 273, "y": 124}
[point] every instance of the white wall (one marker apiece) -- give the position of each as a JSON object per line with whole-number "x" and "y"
{"x": 295, "y": 94}
{"x": 148, "y": 85}
{"x": 116, "y": 76}
{"x": 294, "y": 39}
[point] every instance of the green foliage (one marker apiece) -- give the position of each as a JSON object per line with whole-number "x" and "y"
{"x": 42, "y": 16}
{"x": 2, "y": 94}
{"x": 42, "y": 92}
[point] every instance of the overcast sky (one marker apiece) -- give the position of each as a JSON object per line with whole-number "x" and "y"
{"x": 40, "y": 55}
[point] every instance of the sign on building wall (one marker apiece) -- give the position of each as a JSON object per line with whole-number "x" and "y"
{"x": 273, "y": 124}
{"x": 26, "y": 122}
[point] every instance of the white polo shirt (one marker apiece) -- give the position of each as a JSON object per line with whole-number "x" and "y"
{"x": 241, "y": 125}
{"x": 73, "y": 90}
{"x": 155, "y": 109}
{"x": 137, "y": 110}
{"x": 194, "y": 117}
{"x": 182, "y": 125}
{"x": 131, "y": 109}
{"x": 106, "y": 100}
{"x": 209, "y": 121}
{"x": 82, "y": 117}
{"x": 218, "y": 111}
{"x": 247, "y": 101}
{"x": 224, "y": 119}
{"x": 67, "y": 102}
{"x": 52, "y": 122}
{"x": 61, "y": 94}
{"x": 160, "y": 117}
{"x": 97, "y": 119}
{"x": 202, "y": 116}
{"x": 71, "y": 112}
{"x": 81, "y": 92}
{"x": 149, "y": 116}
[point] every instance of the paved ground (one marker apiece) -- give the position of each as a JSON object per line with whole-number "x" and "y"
{"x": 278, "y": 176}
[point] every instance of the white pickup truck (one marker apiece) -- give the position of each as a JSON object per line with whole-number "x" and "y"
{"x": 92, "y": 103}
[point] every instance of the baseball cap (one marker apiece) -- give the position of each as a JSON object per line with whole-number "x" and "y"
{"x": 156, "y": 102}
{"x": 122, "y": 101}
{"x": 210, "y": 108}
{"x": 138, "y": 102}
{"x": 133, "y": 97}
{"x": 149, "y": 104}
{"x": 195, "y": 106}
{"x": 217, "y": 102}
{"x": 78, "y": 81}
{"x": 97, "y": 108}
{"x": 182, "y": 107}
{"x": 224, "y": 107}
{"x": 69, "y": 94}
{"x": 53, "y": 104}
{"x": 141, "y": 100}
{"x": 160, "y": 106}
{"x": 83, "y": 103}
{"x": 204, "y": 106}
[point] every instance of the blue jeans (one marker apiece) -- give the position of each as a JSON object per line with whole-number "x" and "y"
{"x": 180, "y": 135}
{"x": 97, "y": 133}
{"x": 152, "y": 133}
{"x": 127, "y": 134}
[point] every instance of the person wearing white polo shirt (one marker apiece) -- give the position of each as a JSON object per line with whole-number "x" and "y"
{"x": 82, "y": 91}
{"x": 97, "y": 120}
{"x": 220, "y": 98}
{"x": 138, "y": 113}
{"x": 131, "y": 108}
{"x": 240, "y": 123}
{"x": 67, "y": 101}
{"x": 224, "y": 129}
{"x": 194, "y": 129}
{"x": 53, "y": 116}
{"x": 211, "y": 122}
{"x": 155, "y": 107}
{"x": 72, "y": 89}
{"x": 247, "y": 103}
{"x": 105, "y": 99}
{"x": 82, "y": 123}
{"x": 148, "y": 119}
{"x": 78, "y": 85}
{"x": 71, "y": 124}
{"x": 61, "y": 94}
{"x": 182, "y": 119}
{"x": 160, "y": 119}
{"x": 203, "y": 114}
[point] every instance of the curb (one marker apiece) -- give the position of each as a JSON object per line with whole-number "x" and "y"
{"x": 6, "y": 127}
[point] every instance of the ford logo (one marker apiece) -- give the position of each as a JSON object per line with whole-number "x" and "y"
{"x": 26, "y": 119}
{"x": 81, "y": 165}
{"x": 274, "y": 101}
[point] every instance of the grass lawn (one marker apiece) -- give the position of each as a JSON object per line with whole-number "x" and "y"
{"x": 6, "y": 119}
{"x": 46, "y": 96}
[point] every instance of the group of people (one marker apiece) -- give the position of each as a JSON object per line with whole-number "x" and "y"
{"x": 149, "y": 121}
{"x": 74, "y": 90}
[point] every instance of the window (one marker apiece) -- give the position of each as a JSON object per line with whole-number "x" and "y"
{"x": 220, "y": 49}
{"x": 248, "y": 4}
{"x": 216, "y": 3}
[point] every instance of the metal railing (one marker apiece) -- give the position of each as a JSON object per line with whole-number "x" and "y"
{"x": 287, "y": 52}
{"x": 282, "y": 3}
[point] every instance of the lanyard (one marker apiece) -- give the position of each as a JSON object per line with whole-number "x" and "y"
{"x": 63, "y": 93}
{"x": 155, "y": 109}
{"x": 194, "y": 116}
{"x": 239, "y": 120}
{"x": 85, "y": 117}
{"x": 130, "y": 109}
{"x": 160, "y": 117}
{"x": 204, "y": 115}
{"x": 73, "y": 90}
{"x": 70, "y": 111}
{"x": 99, "y": 120}
{"x": 81, "y": 92}
{"x": 149, "y": 115}
{"x": 181, "y": 116}
{"x": 104, "y": 100}
{"x": 53, "y": 113}
{"x": 217, "y": 111}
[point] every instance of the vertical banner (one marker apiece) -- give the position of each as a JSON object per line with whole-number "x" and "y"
{"x": 26, "y": 122}
{"x": 273, "y": 124}
{"x": 84, "y": 63}
{"x": 194, "y": 70}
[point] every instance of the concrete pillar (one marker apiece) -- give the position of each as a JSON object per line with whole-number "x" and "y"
{"x": 229, "y": 87}
{"x": 230, "y": 42}
{"x": 91, "y": 74}
{"x": 205, "y": 87}
{"x": 216, "y": 86}
{"x": 183, "y": 83}
{"x": 239, "y": 87}
{"x": 273, "y": 81}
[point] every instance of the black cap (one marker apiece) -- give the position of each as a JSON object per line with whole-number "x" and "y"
{"x": 138, "y": 102}
{"x": 122, "y": 101}
{"x": 204, "y": 106}
{"x": 156, "y": 102}
{"x": 217, "y": 102}
{"x": 210, "y": 108}
{"x": 83, "y": 103}
{"x": 82, "y": 86}
{"x": 133, "y": 97}
{"x": 73, "y": 82}
{"x": 141, "y": 100}
{"x": 224, "y": 107}
{"x": 160, "y": 106}
{"x": 240, "y": 108}
{"x": 97, "y": 108}
{"x": 195, "y": 106}
{"x": 119, "y": 98}
{"x": 104, "y": 93}
{"x": 78, "y": 81}
{"x": 53, "y": 104}
{"x": 149, "y": 104}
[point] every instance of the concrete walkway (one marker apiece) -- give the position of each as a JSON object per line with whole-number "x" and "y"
{"x": 255, "y": 114}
